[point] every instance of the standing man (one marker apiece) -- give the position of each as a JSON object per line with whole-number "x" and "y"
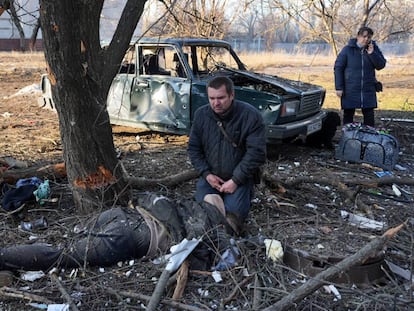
{"x": 355, "y": 81}
{"x": 227, "y": 146}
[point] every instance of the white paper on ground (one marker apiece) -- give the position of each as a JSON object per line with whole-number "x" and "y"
{"x": 180, "y": 252}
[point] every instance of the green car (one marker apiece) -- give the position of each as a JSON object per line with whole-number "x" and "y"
{"x": 163, "y": 81}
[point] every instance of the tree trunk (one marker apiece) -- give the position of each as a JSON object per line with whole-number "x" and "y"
{"x": 80, "y": 72}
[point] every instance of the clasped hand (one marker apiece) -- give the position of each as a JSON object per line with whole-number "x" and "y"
{"x": 220, "y": 185}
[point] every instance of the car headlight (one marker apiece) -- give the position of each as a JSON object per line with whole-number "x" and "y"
{"x": 289, "y": 108}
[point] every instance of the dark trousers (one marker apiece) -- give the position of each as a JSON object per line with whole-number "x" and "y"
{"x": 368, "y": 114}
{"x": 115, "y": 235}
{"x": 237, "y": 203}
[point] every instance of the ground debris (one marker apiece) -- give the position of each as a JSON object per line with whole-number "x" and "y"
{"x": 299, "y": 176}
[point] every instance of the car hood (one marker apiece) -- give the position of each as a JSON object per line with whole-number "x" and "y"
{"x": 289, "y": 86}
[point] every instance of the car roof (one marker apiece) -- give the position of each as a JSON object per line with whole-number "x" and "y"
{"x": 184, "y": 41}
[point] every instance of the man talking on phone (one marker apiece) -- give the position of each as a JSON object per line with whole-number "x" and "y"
{"x": 355, "y": 81}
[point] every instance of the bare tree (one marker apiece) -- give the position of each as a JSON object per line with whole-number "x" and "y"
{"x": 4, "y": 5}
{"x": 81, "y": 72}
{"x": 201, "y": 18}
{"x": 335, "y": 21}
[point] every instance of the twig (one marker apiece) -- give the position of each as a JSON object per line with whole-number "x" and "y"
{"x": 64, "y": 292}
{"x": 235, "y": 290}
{"x": 257, "y": 293}
{"x": 168, "y": 302}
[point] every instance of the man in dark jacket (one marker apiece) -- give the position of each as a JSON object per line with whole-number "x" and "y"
{"x": 355, "y": 81}
{"x": 145, "y": 229}
{"x": 227, "y": 146}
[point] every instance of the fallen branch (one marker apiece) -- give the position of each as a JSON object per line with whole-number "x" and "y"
{"x": 14, "y": 293}
{"x": 322, "y": 278}
{"x": 182, "y": 278}
{"x": 172, "y": 180}
{"x": 143, "y": 297}
{"x": 51, "y": 171}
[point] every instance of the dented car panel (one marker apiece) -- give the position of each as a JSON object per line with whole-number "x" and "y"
{"x": 162, "y": 82}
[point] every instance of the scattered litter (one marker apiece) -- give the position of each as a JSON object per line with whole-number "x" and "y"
{"x": 383, "y": 173}
{"x": 397, "y": 191}
{"x": 101, "y": 270}
{"x": 29, "y": 181}
{"x": 274, "y": 249}
{"x": 58, "y": 307}
{"x": 400, "y": 168}
{"x": 41, "y": 306}
{"x": 40, "y": 223}
{"x": 362, "y": 222}
{"x": 53, "y": 271}
{"x": 228, "y": 258}
{"x": 6, "y": 115}
{"x": 320, "y": 246}
{"x": 217, "y": 276}
{"x": 203, "y": 292}
{"x": 32, "y": 276}
{"x": 180, "y": 252}
{"x": 331, "y": 289}
{"x": 311, "y": 206}
{"x": 27, "y": 90}
{"x": 42, "y": 192}
{"x": 128, "y": 273}
{"x": 404, "y": 273}
{"x": 73, "y": 274}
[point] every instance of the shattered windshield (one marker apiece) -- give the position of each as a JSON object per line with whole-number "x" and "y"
{"x": 211, "y": 58}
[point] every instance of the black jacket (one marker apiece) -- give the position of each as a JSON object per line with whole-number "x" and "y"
{"x": 211, "y": 152}
{"x": 355, "y": 75}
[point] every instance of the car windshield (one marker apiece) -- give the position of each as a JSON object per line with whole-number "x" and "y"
{"x": 210, "y": 58}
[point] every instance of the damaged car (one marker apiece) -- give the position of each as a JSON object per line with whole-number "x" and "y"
{"x": 162, "y": 82}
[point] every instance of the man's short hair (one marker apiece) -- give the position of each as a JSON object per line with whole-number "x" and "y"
{"x": 218, "y": 81}
{"x": 363, "y": 29}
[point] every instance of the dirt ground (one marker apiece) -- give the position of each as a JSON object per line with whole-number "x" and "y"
{"x": 299, "y": 203}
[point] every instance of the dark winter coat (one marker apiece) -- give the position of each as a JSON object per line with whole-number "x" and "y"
{"x": 355, "y": 75}
{"x": 211, "y": 152}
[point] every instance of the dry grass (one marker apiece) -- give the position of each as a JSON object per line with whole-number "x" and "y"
{"x": 29, "y": 60}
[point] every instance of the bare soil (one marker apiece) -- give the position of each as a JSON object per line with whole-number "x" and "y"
{"x": 304, "y": 215}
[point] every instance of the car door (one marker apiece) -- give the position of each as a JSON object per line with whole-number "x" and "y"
{"x": 160, "y": 95}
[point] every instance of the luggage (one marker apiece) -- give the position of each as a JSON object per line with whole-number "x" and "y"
{"x": 365, "y": 144}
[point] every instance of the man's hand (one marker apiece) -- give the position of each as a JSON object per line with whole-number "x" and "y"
{"x": 339, "y": 93}
{"x": 228, "y": 187}
{"x": 215, "y": 181}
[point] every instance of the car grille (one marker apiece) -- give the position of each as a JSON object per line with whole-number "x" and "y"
{"x": 310, "y": 104}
